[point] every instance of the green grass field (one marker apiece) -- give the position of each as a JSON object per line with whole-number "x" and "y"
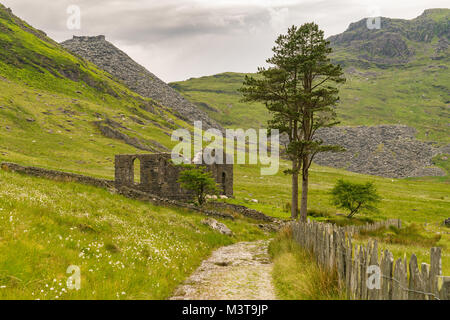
{"x": 126, "y": 249}
{"x": 419, "y": 201}
{"x": 416, "y": 96}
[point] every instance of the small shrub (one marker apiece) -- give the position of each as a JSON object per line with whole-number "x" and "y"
{"x": 355, "y": 197}
{"x": 111, "y": 247}
{"x": 86, "y": 228}
{"x": 287, "y": 207}
{"x": 198, "y": 180}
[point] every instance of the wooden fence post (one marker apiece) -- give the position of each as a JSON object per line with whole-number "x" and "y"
{"x": 435, "y": 269}
{"x": 444, "y": 293}
{"x": 333, "y": 250}
{"x": 425, "y": 271}
{"x": 386, "y": 275}
{"x": 374, "y": 293}
{"x": 415, "y": 279}
{"x": 363, "y": 261}
{"x": 400, "y": 281}
{"x": 348, "y": 266}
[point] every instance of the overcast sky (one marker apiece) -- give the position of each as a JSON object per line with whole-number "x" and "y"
{"x": 179, "y": 39}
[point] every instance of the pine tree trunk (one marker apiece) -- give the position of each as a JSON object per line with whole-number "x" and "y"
{"x": 304, "y": 207}
{"x": 294, "y": 202}
{"x": 304, "y": 203}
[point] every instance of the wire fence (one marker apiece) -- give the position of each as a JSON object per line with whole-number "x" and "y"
{"x": 367, "y": 274}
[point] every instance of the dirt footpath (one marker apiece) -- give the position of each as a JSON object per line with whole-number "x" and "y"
{"x": 241, "y": 271}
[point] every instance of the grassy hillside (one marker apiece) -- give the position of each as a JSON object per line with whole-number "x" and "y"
{"x": 49, "y": 103}
{"x": 416, "y": 96}
{"x": 50, "y": 99}
{"x": 126, "y": 249}
{"x": 57, "y": 130}
{"x": 424, "y": 203}
{"x": 386, "y": 83}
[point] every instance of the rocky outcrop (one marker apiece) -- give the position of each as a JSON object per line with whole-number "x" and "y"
{"x": 385, "y": 150}
{"x": 217, "y": 226}
{"x": 447, "y": 222}
{"x": 395, "y": 41}
{"x": 111, "y": 59}
{"x": 247, "y": 212}
{"x": 110, "y": 129}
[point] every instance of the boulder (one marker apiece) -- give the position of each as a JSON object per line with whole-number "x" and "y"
{"x": 218, "y": 226}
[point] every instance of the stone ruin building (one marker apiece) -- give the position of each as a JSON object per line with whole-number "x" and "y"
{"x": 158, "y": 175}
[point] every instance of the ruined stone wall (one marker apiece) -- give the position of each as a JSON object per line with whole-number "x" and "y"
{"x": 57, "y": 175}
{"x": 247, "y": 212}
{"x": 162, "y": 201}
{"x": 159, "y": 176}
{"x": 223, "y": 173}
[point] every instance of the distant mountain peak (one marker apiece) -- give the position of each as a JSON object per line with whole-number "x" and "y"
{"x": 397, "y": 41}
{"x": 116, "y": 62}
{"x": 433, "y": 12}
{"x": 89, "y": 38}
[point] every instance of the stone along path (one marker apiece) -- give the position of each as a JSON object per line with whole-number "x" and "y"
{"x": 237, "y": 272}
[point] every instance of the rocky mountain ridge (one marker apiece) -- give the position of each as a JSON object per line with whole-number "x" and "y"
{"x": 395, "y": 42}
{"x": 384, "y": 150}
{"x": 116, "y": 62}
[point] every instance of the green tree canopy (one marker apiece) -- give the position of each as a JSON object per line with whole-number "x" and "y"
{"x": 198, "y": 180}
{"x": 298, "y": 91}
{"x": 355, "y": 197}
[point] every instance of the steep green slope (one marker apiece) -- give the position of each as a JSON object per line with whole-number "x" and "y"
{"x": 54, "y": 105}
{"x": 396, "y": 75}
{"x": 125, "y": 249}
{"x": 218, "y": 96}
{"x": 61, "y": 112}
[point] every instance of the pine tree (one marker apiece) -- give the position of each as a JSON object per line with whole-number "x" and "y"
{"x": 298, "y": 91}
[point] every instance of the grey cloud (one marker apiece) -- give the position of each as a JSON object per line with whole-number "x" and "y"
{"x": 178, "y": 39}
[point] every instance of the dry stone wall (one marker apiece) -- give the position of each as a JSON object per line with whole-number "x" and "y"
{"x": 57, "y": 175}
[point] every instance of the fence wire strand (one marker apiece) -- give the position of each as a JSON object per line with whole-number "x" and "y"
{"x": 339, "y": 251}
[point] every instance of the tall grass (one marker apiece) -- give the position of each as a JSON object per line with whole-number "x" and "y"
{"x": 125, "y": 249}
{"x": 411, "y": 235}
{"x": 296, "y": 274}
